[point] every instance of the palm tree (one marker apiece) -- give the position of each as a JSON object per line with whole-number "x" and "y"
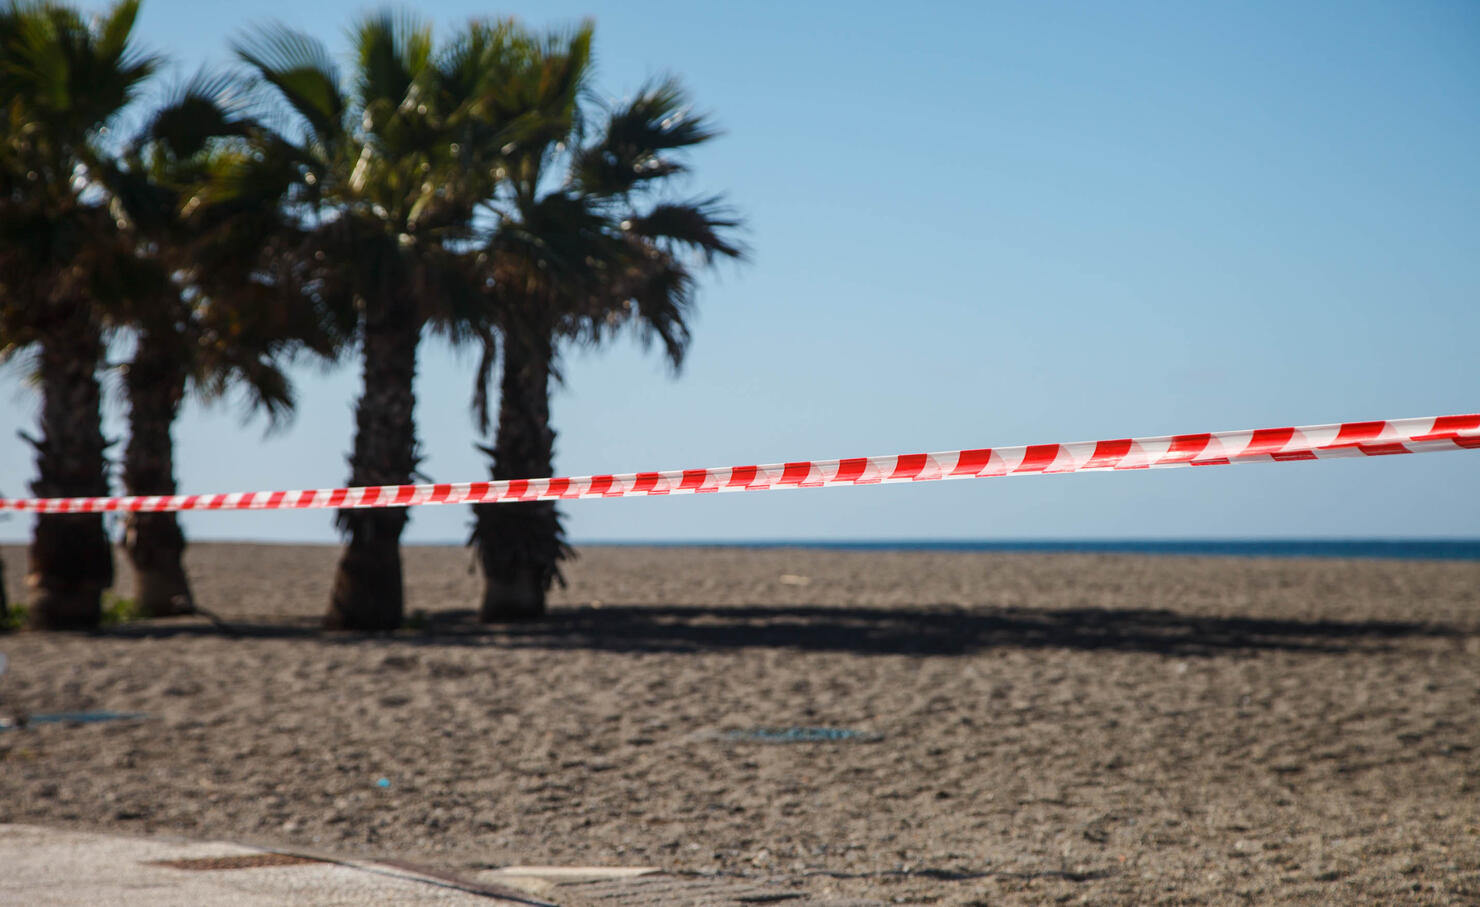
{"x": 63, "y": 80}
{"x": 390, "y": 170}
{"x": 217, "y": 318}
{"x": 603, "y": 250}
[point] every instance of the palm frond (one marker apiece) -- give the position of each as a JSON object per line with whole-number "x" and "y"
{"x": 659, "y": 118}
{"x": 631, "y": 149}
{"x": 73, "y": 76}
{"x": 115, "y": 28}
{"x": 536, "y": 110}
{"x": 700, "y": 224}
{"x": 483, "y": 381}
{"x": 663, "y": 292}
{"x": 208, "y": 105}
{"x": 248, "y": 177}
{"x": 300, "y": 67}
{"x": 269, "y": 391}
{"x": 393, "y": 49}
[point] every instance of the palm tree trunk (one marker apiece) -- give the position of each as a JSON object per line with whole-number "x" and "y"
{"x": 368, "y": 592}
{"x": 70, "y": 562}
{"x": 155, "y": 383}
{"x": 520, "y": 546}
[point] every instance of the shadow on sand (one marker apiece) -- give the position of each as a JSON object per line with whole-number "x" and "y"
{"x": 943, "y": 630}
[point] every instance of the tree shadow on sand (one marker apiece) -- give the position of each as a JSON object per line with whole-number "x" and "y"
{"x": 940, "y": 630}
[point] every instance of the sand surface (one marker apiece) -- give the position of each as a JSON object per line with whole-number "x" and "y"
{"x": 1055, "y": 728}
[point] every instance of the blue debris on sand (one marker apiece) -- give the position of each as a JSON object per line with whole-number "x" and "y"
{"x": 73, "y": 718}
{"x": 802, "y": 735}
{"x": 383, "y": 782}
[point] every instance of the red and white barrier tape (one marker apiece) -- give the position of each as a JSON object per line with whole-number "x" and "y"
{"x": 1307, "y": 442}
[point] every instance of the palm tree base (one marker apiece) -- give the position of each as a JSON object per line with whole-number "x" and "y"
{"x": 163, "y": 592}
{"x": 71, "y": 563}
{"x": 367, "y": 592}
{"x": 520, "y": 549}
{"x": 517, "y": 595}
{"x": 64, "y": 606}
{"x": 155, "y": 547}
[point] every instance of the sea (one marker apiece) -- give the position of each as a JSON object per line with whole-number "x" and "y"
{"x": 1403, "y": 549}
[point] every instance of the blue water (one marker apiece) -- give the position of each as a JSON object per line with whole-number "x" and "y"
{"x": 1405, "y": 549}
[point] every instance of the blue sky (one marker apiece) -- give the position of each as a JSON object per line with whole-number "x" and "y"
{"x": 987, "y": 224}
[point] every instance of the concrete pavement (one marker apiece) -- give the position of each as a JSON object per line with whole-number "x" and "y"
{"x": 49, "y": 866}
{"x": 42, "y": 866}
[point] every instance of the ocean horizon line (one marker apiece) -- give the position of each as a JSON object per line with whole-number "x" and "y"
{"x": 1401, "y": 548}
{"x": 1442, "y": 548}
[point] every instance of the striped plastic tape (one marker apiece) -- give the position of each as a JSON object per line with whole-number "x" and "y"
{"x": 1306, "y": 442}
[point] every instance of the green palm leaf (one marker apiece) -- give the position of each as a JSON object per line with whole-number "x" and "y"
{"x": 700, "y": 225}
{"x": 72, "y": 76}
{"x": 394, "y": 50}
{"x": 300, "y": 68}
{"x": 207, "y": 106}
{"x": 630, "y": 152}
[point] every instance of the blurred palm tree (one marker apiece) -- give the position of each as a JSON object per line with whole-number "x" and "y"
{"x": 605, "y": 248}
{"x": 63, "y": 264}
{"x": 388, "y": 174}
{"x": 221, "y": 314}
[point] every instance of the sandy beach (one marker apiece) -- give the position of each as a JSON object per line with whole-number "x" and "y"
{"x": 1040, "y": 728}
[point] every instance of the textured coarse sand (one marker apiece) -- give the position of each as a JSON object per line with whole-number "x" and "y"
{"x": 1053, "y": 728}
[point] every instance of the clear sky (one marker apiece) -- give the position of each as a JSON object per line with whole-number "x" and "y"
{"x": 986, "y": 224}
